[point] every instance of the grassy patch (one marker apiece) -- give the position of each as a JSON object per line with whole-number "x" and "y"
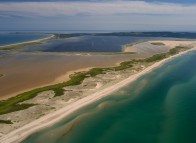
{"x": 134, "y": 43}
{"x": 10, "y": 48}
{"x": 13, "y": 104}
{"x": 162, "y": 56}
{"x": 1, "y": 75}
{"x": 157, "y": 43}
{"x": 176, "y": 50}
{"x": 156, "y": 58}
{"x": 5, "y": 122}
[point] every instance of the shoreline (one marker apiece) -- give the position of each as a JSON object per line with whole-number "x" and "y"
{"x": 59, "y": 79}
{"x": 20, "y": 134}
{"x": 27, "y": 42}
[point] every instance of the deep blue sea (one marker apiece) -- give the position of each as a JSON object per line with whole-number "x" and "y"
{"x": 160, "y": 107}
{"x": 13, "y": 38}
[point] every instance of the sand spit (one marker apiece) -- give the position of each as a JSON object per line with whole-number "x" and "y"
{"x": 171, "y": 44}
{"x": 147, "y": 48}
{"x": 21, "y": 133}
{"x": 32, "y": 41}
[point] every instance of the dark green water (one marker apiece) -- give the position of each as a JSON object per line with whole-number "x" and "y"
{"x": 158, "y": 108}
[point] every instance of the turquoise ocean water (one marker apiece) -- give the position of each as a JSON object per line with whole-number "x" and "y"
{"x": 160, "y": 107}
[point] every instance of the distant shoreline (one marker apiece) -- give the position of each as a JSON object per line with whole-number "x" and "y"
{"x": 20, "y": 134}
{"x": 27, "y": 42}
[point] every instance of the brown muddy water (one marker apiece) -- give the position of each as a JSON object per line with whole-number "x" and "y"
{"x": 26, "y": 71}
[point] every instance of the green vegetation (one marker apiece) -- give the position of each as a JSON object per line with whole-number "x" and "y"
{"x": 10, "y": 48}
{"x": 156, "y": 58}
{"x": 176, "y": 50}
{"x": 1, "y": 75}
{"x": 157, "y": 43}
{"x": 132, "y": 44}
{"x": 5, "y": 122}
{"x": 162, "y": 56}
{"x": 129, "y": 45}
{"x": 14, "y": 103}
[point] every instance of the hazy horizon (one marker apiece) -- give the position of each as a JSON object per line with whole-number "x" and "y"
{"x": 111, "y": 15}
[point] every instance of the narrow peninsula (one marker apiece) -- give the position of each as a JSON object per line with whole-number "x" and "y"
{"x": 44, "y": 106}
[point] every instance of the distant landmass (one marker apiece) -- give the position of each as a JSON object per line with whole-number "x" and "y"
{"x": 189, "y": 35}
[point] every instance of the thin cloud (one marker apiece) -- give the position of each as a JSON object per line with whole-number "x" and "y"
{"x": 95, "y": 8}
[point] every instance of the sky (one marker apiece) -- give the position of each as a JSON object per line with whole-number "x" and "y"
{"x": 112, "y": 15}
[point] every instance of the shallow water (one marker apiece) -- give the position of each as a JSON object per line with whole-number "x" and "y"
{"x": 158, "y": 108}
{"x": 8, "y": 38}
{"x": 35, "y": 70}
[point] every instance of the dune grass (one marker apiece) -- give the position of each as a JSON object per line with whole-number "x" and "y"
{"x": 162, "y": 56}
{"x": 157, "y": 43}
{"x": 15, "y": 103}
{"x": 5, "y": 122}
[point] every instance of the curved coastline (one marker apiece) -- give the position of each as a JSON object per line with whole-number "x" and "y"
{"x": 28, "y": 42}
{"x": 20, "y": 134}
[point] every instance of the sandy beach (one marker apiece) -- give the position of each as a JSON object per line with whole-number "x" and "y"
{"x": 21, "y": 133}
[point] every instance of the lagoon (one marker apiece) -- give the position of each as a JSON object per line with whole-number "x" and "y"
{"x": 89, "y": 44}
